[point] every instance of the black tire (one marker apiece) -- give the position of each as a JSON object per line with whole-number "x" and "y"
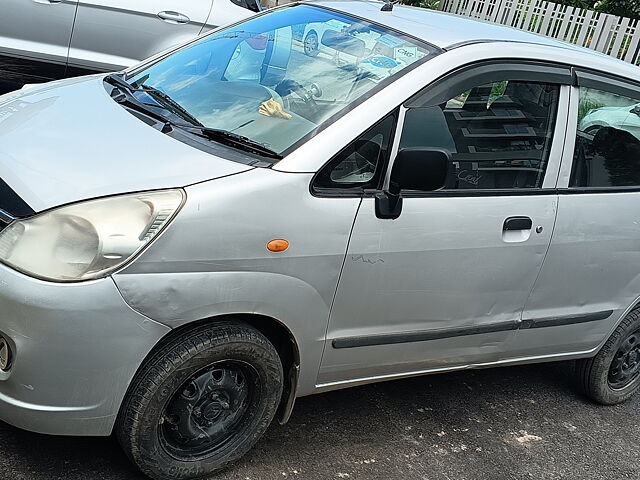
{"x": 195, "y": 383}
{"x": 613, "y": 375}
{"x": 310, "y": 44}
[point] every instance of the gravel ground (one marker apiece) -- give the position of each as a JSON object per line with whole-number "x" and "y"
{"x": 508, "y": 423}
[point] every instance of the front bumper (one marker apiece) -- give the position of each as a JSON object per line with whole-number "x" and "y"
{"x": 76, "y": 348}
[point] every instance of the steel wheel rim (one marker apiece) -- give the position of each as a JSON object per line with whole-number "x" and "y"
{"x": 625, "y": 366}
{"x": 206, "y": 412}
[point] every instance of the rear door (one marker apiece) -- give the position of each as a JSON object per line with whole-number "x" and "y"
{"x": 591, "y": 275}
{"x": 111, "y": 34}
{"x": 34, "y": 38}
{"x": 445, "y": 283}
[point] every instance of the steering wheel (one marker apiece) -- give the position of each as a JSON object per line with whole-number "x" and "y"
{"x": 287, "y": 87}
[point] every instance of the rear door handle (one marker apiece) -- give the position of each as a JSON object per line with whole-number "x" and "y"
{"x": 517, "y": 223}
{"x": 173, "y": 17}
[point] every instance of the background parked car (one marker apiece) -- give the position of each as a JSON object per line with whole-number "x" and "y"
{"x": 41, "y": 40}
{"x": 623, "y": 118}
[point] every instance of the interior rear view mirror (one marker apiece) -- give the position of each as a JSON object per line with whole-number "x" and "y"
{"x": 343, "y": 43}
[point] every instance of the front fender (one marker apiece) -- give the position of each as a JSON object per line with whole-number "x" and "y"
{"x": 175, "y": 299}
{"x": 213, "y": 259}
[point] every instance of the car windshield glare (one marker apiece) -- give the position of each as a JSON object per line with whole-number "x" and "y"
{"x": 278, "y": 77}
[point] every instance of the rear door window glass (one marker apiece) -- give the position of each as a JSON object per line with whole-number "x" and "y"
{"x": 607, "y": 151}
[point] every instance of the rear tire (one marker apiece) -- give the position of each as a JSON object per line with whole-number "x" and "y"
{"x": 201, "y": 402}
{"x": 613, "y": 375}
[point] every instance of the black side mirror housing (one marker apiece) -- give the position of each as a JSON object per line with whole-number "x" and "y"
{"x": 418, "y": 169}
{"x": 636, "y": 109}
{"x": 388, "y": 205}
{"x": 421, "y": 169}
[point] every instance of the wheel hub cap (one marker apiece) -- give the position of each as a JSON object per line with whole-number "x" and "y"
{"x": 625, "y": 366}
{"x": 205, "y": 412}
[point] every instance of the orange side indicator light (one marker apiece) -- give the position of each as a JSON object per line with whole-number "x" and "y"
{"x": 277, "y": 245}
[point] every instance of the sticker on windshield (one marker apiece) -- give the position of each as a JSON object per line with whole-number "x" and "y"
{"x": 405, "y": 54}
{"x": 382, "y": 62}
{"x": 390, "y": 41}
{"x": 337, "y": 24}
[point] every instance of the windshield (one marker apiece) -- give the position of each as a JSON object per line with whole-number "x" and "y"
{"x": 278, "y": 77}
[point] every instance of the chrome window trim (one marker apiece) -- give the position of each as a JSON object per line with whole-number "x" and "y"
{"x": 395, "y": 146}
{"x": 5, "y": 217}
{"x": 570, "y": 139}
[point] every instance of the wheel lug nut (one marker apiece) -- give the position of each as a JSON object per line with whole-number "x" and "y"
{"x": 197, "y": 413}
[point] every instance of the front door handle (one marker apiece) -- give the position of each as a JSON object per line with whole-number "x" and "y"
{"x": 517, "y": 223}
{"x": 173, "y": 17}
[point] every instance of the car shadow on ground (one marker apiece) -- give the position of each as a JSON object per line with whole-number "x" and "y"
{"x": 386, "y": 430}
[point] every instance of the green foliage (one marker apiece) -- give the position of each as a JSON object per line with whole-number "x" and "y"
{"x": 585, "y": 107}
{"x": 623, "y": 8}
{"x": 430, "y": 4}
{"x": 497, "y": 90}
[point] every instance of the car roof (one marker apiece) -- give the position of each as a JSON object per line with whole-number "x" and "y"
{"x": 444, "y": 30}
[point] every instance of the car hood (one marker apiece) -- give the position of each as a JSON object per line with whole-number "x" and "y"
{"x": 68, "y": 141}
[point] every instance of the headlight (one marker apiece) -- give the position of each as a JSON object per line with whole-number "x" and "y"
{"x": 87, "y": 240}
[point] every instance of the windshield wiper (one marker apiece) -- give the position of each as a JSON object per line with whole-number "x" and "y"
{"x": 117, "y": 80}
{"x": 234, "y": 140}
{"x": 217, "y": 135}
{"x": 125, "y": 97}
{"x": 128, "y": 89}
{"x": 154, "y": 92}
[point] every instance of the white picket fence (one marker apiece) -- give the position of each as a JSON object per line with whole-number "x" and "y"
{"x": 610, "y": 34}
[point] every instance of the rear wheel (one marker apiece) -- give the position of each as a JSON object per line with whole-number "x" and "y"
{"x": 613, "y": 375}
{"x": 201, "y": 402}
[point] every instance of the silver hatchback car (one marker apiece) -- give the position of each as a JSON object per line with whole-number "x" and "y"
{"x": 189, "y": 245}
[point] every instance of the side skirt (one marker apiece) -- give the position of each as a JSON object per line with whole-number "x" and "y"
{"x": 329, "y": 386}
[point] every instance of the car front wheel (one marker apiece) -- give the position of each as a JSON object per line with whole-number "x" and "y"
{"x": 201, "y": 402}
{"x": 613, "y": 375}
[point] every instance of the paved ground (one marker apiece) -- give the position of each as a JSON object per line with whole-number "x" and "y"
{"x": 510, "y": 423}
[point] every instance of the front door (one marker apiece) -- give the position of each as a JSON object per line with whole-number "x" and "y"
{"x": 110, "y": 34}
{"x": 445, "y": 283}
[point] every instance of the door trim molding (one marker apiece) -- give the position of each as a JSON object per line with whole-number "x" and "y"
{"x": 423, "y": 336}
{"x": 566, "y": 320}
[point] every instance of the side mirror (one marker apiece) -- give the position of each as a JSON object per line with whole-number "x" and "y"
{"x": 421, "y": 169}
{"x": 418, "y": 169}
{"x": 636, "y": 110}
